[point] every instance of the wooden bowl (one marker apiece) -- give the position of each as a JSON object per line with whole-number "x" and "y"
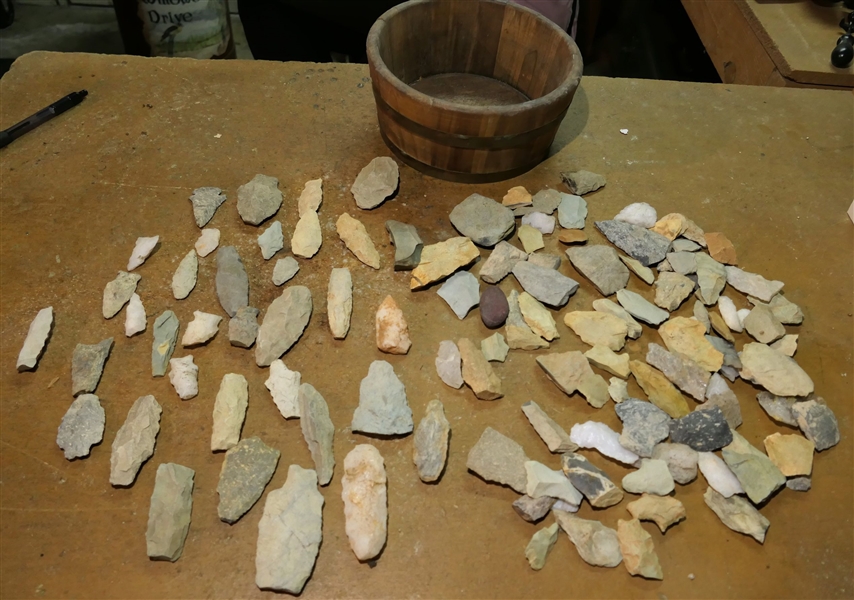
{"x": 470, "y": 90}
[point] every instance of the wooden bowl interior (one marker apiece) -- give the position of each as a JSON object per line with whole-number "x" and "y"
{"x": 492, "y": 39}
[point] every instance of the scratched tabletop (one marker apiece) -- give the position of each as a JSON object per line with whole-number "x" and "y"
{"x": 771, "y": 168}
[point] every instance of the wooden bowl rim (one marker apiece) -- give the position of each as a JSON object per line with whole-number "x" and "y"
{"x": 566, "y": 88}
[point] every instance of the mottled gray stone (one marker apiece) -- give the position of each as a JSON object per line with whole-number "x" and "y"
{"x": 497, "y": 458}
{"x": 641, "y": 308}
{"x": 375, "y": 182}
{"x": 757, "y": 474}
{"x": 289, "y": 533}
{"x": 546, "y": 201}
{"x": 591, "y": 481}
{"x": 285, "y": 270}
{"x": 533, "y": 509}
{"x": 37, "y": 336}
{"x": 430, "y": 445}
{"x": 572, "y": 211}
{"x": 169, "y": 512}
{"x": 671, "y": 290}
{"x": 799, "y": 484}
{"x": 546, "y": 285}
{"x": 117, "y": 293}
{"x": 644, "y": 425}
{"x": 641, "y": 244}
{"x": 165, "y": 338}
{"x": 681, "y": 461}
{"x": 283, "y": 324}
{"x": 82, "y": 427}
{"x": 501, "y": 261}
{"x": 87, "y": 365}
{"x": 259, "y": 199}
{"x": 718, "y": 394}
{"x": 817, "y": 422}
{"x": 134, "y": 442}
{"x": 205, "y": 202}
{"x": 778, "y": 408}
{"x": 738, "y": 514}
{"x": 383, "y": 409}
{"x": 601, "y": 265}
{"x": 683, "y": 372}
{"x": 462, "y": 293}
{"x": 246, "y": 471}
{"x": 407, "y": 245}
{"x": 243, "y": 327}
{"x": 483, "y": 220}
{"x": 702, "y": 430}
{"x": 583, "y": 182}
{"x": 317, "y": 430}
{"x": 232, "y": 283}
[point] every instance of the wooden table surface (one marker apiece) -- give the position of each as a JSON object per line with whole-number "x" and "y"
{"x": 769, "y": 167}
{"x": 771, "y": 42}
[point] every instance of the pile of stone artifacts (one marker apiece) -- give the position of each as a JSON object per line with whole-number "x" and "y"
{"x": 690, "y": 413}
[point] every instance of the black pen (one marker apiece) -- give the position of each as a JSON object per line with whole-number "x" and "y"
{"x": 43, "y": 116}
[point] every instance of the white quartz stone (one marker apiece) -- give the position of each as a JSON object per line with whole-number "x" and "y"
{"x": 184, "y": 376}
{"x": 143, "y": 248}
{"x": 207, "y": 242}
{"x": 363, "y": 489}
{"x": 599, "y": 436}
{"x": 565, "y": 506}
{"x": 742, "y": 315}
{"x": 729, "y": 314}
{"x": 542, "y": 222}
{"x": 718, "y": 474}
{"x": 135, "y": 318}
{"x": 201, "y": 329}
{"x": 284, "y": 387}
{"x": 638, "y": 213}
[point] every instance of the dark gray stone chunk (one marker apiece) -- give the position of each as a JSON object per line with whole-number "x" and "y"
{"x": 407, "y": 245}
{"x": 583, "y": 182}
{"x": 483, "y": 220}
{"x": 641, "y": 244}
{"x": 718, "y": 394}
{"x": 246, "y": 470}
{"x": 232, "y": 283}
{"x": 817, "y": 422}
{"x": 533, "y": 509}
{"x": 546, "y": 201}
{"x": 601, "y": 265}
{"x": 591, "y": 481}
{"x": 87, "y": 365}
{"x": 165, "y": 337}
{"x": 644, "y": 425}
{"x": 546, "y": 285}
{"x": 778, "y": 408}
{"x": 702, "y": 430}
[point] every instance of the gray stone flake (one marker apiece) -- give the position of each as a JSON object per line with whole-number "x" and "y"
{"x": 259, "y": 199}
{"x": 317, "y": 430}
{"x": 641, "y": 244}
{"x": 165, "y": 338}
{"x": 483, "y": 220}
{"x": 683, "y": 372}
{"x": 135, "y": 440}
{"x": 82, "y": 427}
{"x": 546, "y": 285}
{"x": 169, "y": 512}
{"x": 497, "y": 458}
{"x": 87, "y": 365}
{"x": 644, "y": 426}
{"x": 430, "y": 446}
{"x": 601, "y": 265}
{"x": 462, "y": 293}
{"x": 117, "y": 293}
{"x": 407, "y": 245}
{"x": 232, "y": 283}
{"x": 246, "y": 471}
{"x": 383, "y": 409}
{"x": 283, "y": 324}
{"x": 205, "y": 202}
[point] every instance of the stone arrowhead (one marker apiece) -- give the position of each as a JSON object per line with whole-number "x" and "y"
{"x": 165, "y": 338}
{"x": 354, "y": 235}
{"x": 659, "y": 390}
{"x": 283, "y": 324}
{"x": 246, "y": 470}
{"x": 308, "y": 236}
{"x": 229, "y": 411}
{"x": 87, "y": 365}
{"x": 36, "y": 340}
{"x": 391, "y": 327}
{"x": 383, "y": 409}
{"x": 135, "y": 439}
{"x": 644, "y": 425}
{"x": 317, "y": 430}
{"x": 449, "y": 364}
{"x": 363, "y": 489}
{"x": 817, "y": 422}
{"x": 273, "y": 239}
{"x": 289, "y": 533}
{"x": 184, "y": 279}
{"x": 259, "y": 199}
{"x": 169, "y": 512}
{"x": 232, "y": 283}
{"x": 205, "y": 202}
{"x": 82, "y": 427}
{"x": 118, "y": 292}
{"x": 375, "y": 182}
{"x": 430, "y": 446}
